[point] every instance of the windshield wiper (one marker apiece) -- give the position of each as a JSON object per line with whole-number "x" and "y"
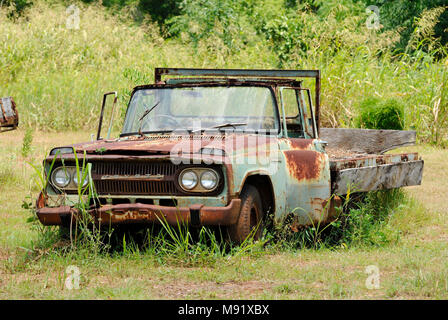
{"x": 224, "y": 125}
{"x": 143, "y": 117}
{"x": 229, "y": 124}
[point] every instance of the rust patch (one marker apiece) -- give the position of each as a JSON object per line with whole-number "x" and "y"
{"x": 41, "y": 200}
{"x": 358, "y": 161}
{"x": 335, "y": 205}
{"x": 318, "y": 202}
{"x": 331, "y": 209}
{"x": 229, "y": 177}
{"x": 303, "y": 165}
{"x": 301, "y": 144}
{"x": 174, "y": 144}
{"x": 139, "y": 213}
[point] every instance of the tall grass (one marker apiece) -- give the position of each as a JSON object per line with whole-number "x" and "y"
{"x": 57, "y": 75}
{"x": 363, "y": 220}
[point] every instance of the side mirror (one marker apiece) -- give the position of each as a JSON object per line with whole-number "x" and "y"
{"x": 98, "y": 137}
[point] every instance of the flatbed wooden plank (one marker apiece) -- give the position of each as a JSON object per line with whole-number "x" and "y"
{"x": 388, "y": 176}
{"x": 367, "y": 140}
{"x": 371, "y": 160}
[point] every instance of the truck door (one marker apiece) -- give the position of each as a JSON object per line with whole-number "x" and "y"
{"x": 306, "y": 170}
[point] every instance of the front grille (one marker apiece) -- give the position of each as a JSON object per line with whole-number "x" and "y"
{"x": 134, "y": 167}
{"x": 118, "y": 186}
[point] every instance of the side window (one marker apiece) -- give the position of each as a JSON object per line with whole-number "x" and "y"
{"x": 294, "y": 121}
{"x": 289, "y": 97}
{"x": 307, "y": 107}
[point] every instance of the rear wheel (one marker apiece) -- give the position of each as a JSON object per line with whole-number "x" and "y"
{"x": 251, "y": 217}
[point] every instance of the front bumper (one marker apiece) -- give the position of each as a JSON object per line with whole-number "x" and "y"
{"x": 138, "y": 213}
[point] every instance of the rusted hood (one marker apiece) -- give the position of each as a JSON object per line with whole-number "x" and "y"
{"x": 126, "y": 146}
{"x": 173, "y": 144}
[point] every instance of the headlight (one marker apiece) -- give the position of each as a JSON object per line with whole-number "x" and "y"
{"x": 209, "y": 179}
{"x": 81, "y": 175}
{"x": 199, "y": 179}
{"x": 66, "y": 177}
{"x": 188, "y": 179}
{"x": 61, "y": 177}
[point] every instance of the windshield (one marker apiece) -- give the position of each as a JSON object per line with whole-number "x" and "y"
{"x": 237, "y": 108}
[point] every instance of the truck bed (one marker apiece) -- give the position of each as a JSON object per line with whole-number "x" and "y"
{"x": 375, "y": 172}
{"x": 355, "y": 168}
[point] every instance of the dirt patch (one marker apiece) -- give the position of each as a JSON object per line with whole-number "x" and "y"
{"x": 4, "y": 255}
{"x": 224, "y": 290}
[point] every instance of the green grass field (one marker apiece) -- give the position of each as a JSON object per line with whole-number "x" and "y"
{"x": 414, "y": 267}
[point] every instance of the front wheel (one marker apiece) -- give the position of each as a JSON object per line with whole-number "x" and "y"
{"x": 251, "y": 217}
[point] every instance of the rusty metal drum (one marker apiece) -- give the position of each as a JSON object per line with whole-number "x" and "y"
{"x": 9, "y": 117}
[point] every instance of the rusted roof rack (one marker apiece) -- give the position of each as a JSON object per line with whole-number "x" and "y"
{"x": 279, "y": 81}
{"x": 246, "y": 73}
{"x": 159, "y": 72}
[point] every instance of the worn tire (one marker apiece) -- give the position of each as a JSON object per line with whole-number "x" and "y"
{"x": 251, "y": 216}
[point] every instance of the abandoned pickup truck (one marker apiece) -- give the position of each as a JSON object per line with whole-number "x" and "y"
{"x": 9, "y": 117}
{"x": 224, "y": 148}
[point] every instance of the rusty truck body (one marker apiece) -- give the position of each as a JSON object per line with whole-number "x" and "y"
{"x": 9, "y": 117}
{"x": 224, "y": 148}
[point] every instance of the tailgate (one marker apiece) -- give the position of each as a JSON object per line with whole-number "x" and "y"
{"x": 375, "y": 172}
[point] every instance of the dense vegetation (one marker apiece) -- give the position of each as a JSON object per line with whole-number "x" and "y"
{"x": 57, "y": 74}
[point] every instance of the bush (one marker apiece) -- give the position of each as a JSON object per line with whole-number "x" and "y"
{"x": 160, "y": 10}
{"x": 16, "y": 7}
{"x": 377, "y": 114}
{"x": 402, "y": 14}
